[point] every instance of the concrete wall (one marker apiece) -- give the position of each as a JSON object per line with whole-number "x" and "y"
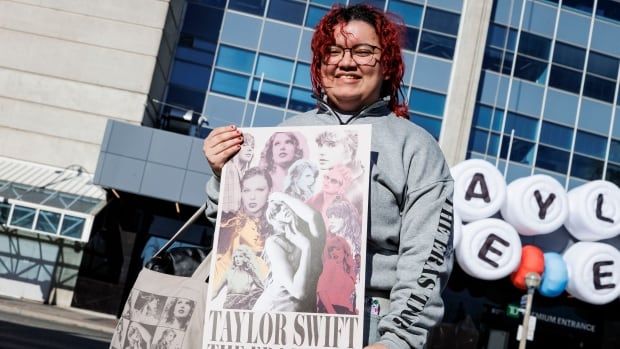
{"x": 464, "y": 80}
{"x": 70, "y": 65}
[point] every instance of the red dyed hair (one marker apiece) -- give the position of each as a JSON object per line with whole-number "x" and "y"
{"x": 390, "y": 31}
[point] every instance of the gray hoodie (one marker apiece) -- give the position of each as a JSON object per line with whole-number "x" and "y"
{"x": 409, "y": 249}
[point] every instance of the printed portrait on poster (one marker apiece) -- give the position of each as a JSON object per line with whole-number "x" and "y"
{"x": 290, "y": 240}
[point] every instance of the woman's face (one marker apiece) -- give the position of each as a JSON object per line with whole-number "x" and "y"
{"x": 246, "y": 152}
{"x": 284, "y": 215}
{"x": 306, "y": 179}
{"x": 336, "y": 253}
{"x": 333, "y": 154}
{"x": 335, "y": 224}
{"x": 169, "y": 337}
{"x": 238, "y": 259}
{"x": 182, "y": 308}
{"x": 254, "y": 193}
{"x": 332, "y": 183}
{"x": 283, "y": 149}
{"x": 350, "y": 86}
{"x": 250, "y": 236}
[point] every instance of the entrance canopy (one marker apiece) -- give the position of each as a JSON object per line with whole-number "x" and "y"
{"x": 48, "y": 200}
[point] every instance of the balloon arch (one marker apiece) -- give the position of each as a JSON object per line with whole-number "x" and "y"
{"x": 537, "y": 208}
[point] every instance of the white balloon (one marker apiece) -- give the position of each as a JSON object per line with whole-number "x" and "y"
{"x": 594, "y": 211}
{"x": 593, "y": 272}
{"x": 489, "y": 249}
{"x": 535, "y": 205}
{"x": 474, "y": 173}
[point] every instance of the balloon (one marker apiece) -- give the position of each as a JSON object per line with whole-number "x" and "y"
{"x": 555, "y": 277}
{"x": 489, "y": 249}
{"x": 593, "y": 272}
{"x": 594, "y": 211}
{"x": 535, "y": 205}
{"x": 532, "y": 260}
{"x": 479, "y": 189}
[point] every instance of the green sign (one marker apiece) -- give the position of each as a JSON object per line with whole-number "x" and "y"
{"x": 512, "y": 311}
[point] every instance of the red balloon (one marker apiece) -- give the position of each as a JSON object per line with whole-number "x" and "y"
{"x": 532, "y": 260}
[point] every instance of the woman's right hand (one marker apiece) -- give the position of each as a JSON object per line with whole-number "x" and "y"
{"x": 221, "y": 145}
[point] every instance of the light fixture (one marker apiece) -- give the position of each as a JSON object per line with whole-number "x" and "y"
{"x": 532, "y": 280}
{"x": 189, "y": 115}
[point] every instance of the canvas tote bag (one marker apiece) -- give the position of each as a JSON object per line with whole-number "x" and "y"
{"x": 165, "y": 311}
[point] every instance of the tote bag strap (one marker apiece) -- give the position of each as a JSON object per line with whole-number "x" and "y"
{"x": 189, "y": 222}
{"x": 202, "y": 272}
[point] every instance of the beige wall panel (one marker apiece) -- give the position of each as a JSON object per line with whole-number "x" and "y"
{"x": 150, "y": 13}
{"x": 47, "y": 150}
{"x": 72, "y": 95}
{"x": 76, "y": 27}
{"x": 74, "y": 61}
{"x": 63, "y": 123}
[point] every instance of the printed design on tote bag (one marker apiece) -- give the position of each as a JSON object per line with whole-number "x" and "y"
{"x": 153, "y": 321}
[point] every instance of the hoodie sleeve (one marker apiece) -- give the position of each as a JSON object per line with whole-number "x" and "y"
{"x": 425, "y": 257}
{"x": 213, "y": 194}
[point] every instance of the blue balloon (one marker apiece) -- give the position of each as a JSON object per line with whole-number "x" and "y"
{"x": 555, "y": 277}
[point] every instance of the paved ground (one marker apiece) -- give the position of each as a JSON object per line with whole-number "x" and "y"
{"x": 68, "y": 317}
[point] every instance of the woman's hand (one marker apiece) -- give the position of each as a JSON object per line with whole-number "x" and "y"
{"x": 221, "y": 145}
{"x": 376, "y": 346}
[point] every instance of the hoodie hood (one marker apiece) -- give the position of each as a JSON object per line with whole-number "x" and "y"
{"x": 376, "y": 109}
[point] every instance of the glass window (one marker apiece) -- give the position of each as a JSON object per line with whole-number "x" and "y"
{"x": 531, "y": 69}
{"x": 255, "y": 7}
{"x": 302, "y": 75}
{"x": 235, "y": 58}
{"x": 48, "y": 222}
{"x": 181, "y": 96}
{"x": 427, "y": 102}
{"x": 534, "y": 45}
{"x": 554, "y": 134}
{"x": 411, "y": 13}
{"x": 411, "y": 38}
{"x": 478, "y": 141}
{"x": 493, "y": 60}
{"x": 521, "y": 151}
{"x": 431, "y": 125}
{"x": 608, "y": 9}
{"x": 290, "y": 11}
{"x": 203, "y": 21}
{"x": 613, "y": 174}
{"x": 590, "y": 144}
{"x": 274, "y": 68}
{"x": 586, "y": 168}
{"x": 599, "y": 88}
{"x": 301, "y": 100}
{"x": 493, "y": 145}
{"x": 72, "y": 226}
{"x": 441, "y": 21}
{"x": 437, "y": 45}
{"x": 5, "y": 209}
{"x": 190, "y": 75}
{"x": 569, "y": 55}
{"x": 552, "y": 159}
{"x": 194, "y": 55}
{"x": 376, "y": 3}
{"x": 581, "y": 5}
{"x": 603, "y": 65}
{"x": 271, "y": 93}
{"x": 23, "y": 217}
{"x": 496, "y": 36}
{"x": 498, "y": 119}
{"x": 524, "y": 126}
{"x": 483, "y": 116}
{"x": 565, "y": 79}
{"x": 314, "y": 16}
{"x": 231, "y": 84}
{"x": 614, "y": 151}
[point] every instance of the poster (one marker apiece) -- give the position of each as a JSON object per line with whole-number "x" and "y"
{"x": 290, "y": 240}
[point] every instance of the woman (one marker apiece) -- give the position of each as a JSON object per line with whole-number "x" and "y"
{"x": 291, "y": 253}
{"x": 244, "y": 284}
{"x": 137, "y": 337}
{"x": 299, "y": 182}
{"x": 336, "y": 287}
{"x": 281, "y": 151}
{"x": 231, "y": 202}
{"x": 357, "y": 70}
{"x": 166, "y": 339}
{"x": 179, "y": 313}
{"x": 343, "y": 220}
